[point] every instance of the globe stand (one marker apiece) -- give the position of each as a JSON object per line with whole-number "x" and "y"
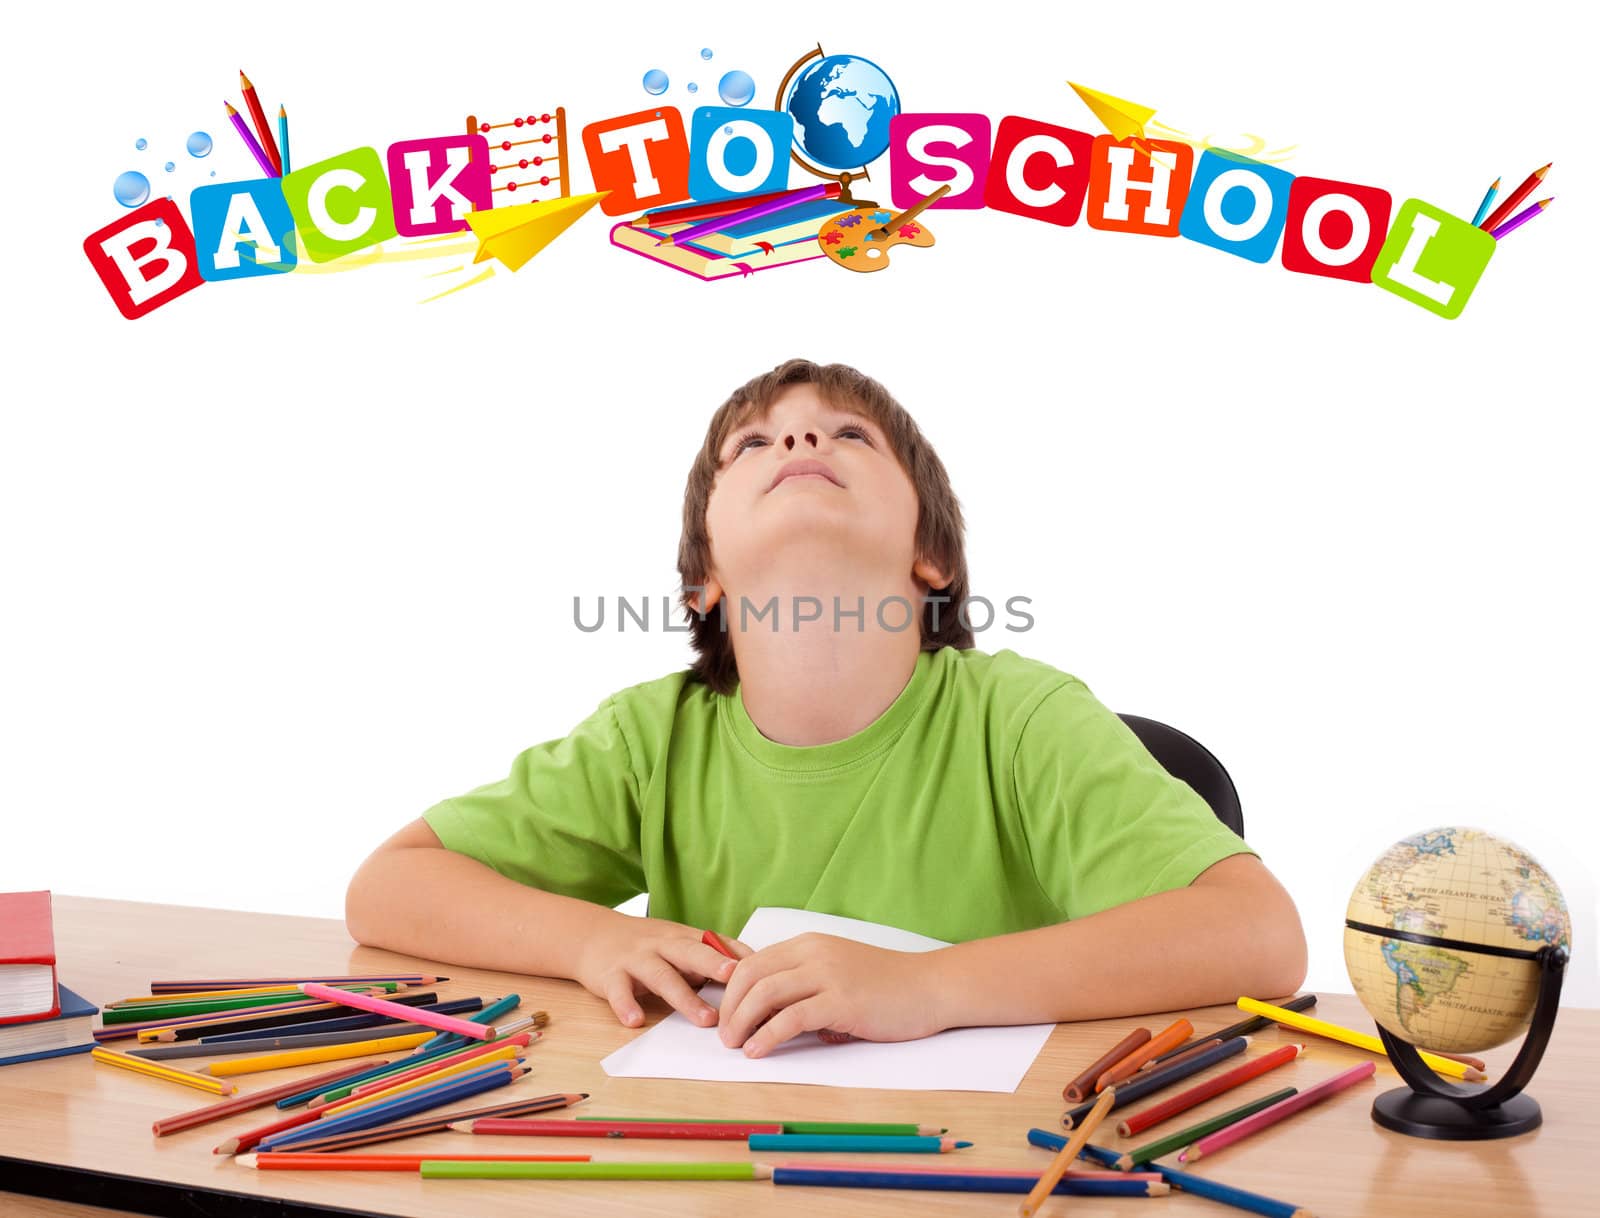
{"x": 1431, "y": 1108}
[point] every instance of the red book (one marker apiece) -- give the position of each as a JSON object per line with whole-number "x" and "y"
{"x": 27, "y": 958}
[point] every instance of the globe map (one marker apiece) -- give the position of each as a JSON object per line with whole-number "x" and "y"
{"x": 1462, "y": 884}
{"x": 841, "y": 106}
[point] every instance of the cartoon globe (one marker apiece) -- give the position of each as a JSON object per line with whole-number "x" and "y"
{"x": 841, "y": 106}
{"x": 1439, "y": 938}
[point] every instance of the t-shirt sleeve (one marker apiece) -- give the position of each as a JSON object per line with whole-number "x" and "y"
{"x": 565, "y": 820}
{"x": 1105, "y": 822}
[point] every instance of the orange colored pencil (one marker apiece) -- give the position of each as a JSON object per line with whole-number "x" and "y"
{"x": 1170, "y": 1037}
{"x": 1080, "y": 1088}
{"x": 258, "y": 120}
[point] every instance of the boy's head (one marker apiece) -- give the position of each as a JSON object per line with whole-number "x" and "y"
{"x": 876, "y": 511}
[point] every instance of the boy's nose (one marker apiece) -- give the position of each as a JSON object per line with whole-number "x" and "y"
{"x": 788, "y": 439}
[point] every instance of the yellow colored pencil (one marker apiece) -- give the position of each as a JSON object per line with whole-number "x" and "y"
{"x": 1361, "y": 1040}
{"x": 156, "y": 1070}
{"x": 1068, "y": 1154}
{"x": 512, "y": 1053}
{"x": 321, "y": 1053}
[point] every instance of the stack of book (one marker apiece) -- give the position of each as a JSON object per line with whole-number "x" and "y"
{"x": 781, "y": 237}
{"x": 39, "y": 1017}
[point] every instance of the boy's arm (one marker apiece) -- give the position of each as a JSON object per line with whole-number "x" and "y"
{"x": 1233, "y": 931}
{"x": 414, "y": 896}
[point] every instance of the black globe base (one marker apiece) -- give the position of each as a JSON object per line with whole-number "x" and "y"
{"x": 1432, "y": 1116}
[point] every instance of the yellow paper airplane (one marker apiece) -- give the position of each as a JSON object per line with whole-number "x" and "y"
{"x": 1122, "y": 118}
{"x": 515, "y": 234}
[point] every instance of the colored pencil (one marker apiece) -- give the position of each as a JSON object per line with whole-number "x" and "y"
{"x": 171, "y": 1074}
{"x": 255, "y": 151}
{"x": 863, "y": 1143}
{"x": 208, "y": 1047}
{"x": 332, "y": 1021}
{"x": 292, "y": 1021}
{"x": 1214, "y": 1142}
{"x": 509, "y": 1055}
{"x": 233, "y": 983}
{"x": 447, "y": 1169}
{"x": 305, "y": 1057}
{"x": 433, "y": 1085}
{"x": 288, "y": 1160}
{"x": 713, "y": 940}
{"x": 493, "y": 1049}
{"x": 1347, "y": 1036}
{"x": 1521, "y": 218}
{"x": 396, "y": 1130}
{"x": 882, "y": 1128}
{"x": 240, "y": 1103}
{"x": 688, "y": 214}
{"x": 248, "y": 1014}
{"x": 1226, "y": 1081}
{"x": 283, "y": 139}
{"x": 384, "y": 1006}
{"x": 1102, "y": 1184}
{"x": 386, "y": 1076}
{"x": 1128, "y": 1160}
{"x": 1184, "y": 1181}
{"x": 697, "y": 1131}
{"x": 1509, "y": 204}
{"x": 1183, "y": 1055}
{"x": 1466, "y": 1059}
{"x": 154, "y": 1006}
{"x": 125, "y": 1031}
{"x": 258, "y": 119}
{"x": 252, "y": 1138}
{"x": 1052, "y": 1174}
{"x": 1081, "y": 1087}
{"x": 1256, "y": 1023}
{"x": 1169, "y": 1037}
{"x": 806, "y": 194}
{"x": 918, "y": 1169}
{"x": 1155, "y": 1080}
{"x": 1488, "y": 198}
{"x": 411, "y": 1104}
{"x": 490, "y": 1013}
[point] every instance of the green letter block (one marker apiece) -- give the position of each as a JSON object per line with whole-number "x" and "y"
{"x": 1432, "y": 258}
{"x": 340, "y": 205}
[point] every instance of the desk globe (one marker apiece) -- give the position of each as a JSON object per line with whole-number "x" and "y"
{"x": 1456, "y": 941}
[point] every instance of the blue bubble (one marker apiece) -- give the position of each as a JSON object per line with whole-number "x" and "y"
{"x": 169, "y": 167}
{"x": 705, "y": 52}
{"x": 141, "y": 144}
{"x": 213, "y": 173}
{"x": 727, "y": 131}
{"x": 736, "y": 88}
{"x": 198, "y": 144}
{"x": 692, "y": 87}
{"x": 160, "y": 223}
{"x": 655, "y": 82}
{"x": 131, "y": 188}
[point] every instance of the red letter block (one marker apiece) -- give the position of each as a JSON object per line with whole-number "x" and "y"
{"x": 1335, "y": 229}
{"x": 145, "y": 264}
{"x": 1038, "y": 170}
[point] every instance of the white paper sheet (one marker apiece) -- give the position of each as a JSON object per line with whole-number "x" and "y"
{"x": 962, "y": 1059}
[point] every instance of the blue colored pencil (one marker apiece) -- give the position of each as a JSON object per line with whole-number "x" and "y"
{"x": 469, "y": 1084}
{"x": 1483, "y": 208}
{"x": 867, "y": 1142}
{"x": 344, "y": 1023}
{"x": 489, "y": 1014}
{"x": 1200, "y": 1186}
{"x": 283, "y": 138}
{"x": 305, "y": 1097}
{"x": 953, "y": 1182}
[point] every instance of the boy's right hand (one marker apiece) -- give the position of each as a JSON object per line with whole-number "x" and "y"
{"x": 632, "y": 956}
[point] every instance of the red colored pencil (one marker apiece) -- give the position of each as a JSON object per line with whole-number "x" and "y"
{"x": 258, "y": 1099}
{"x": 1509, "y": 203}
{"x": 712, "y": 939}
{"x": 1185, "y": 1100}
{"x": 722, "y": 1132}
{"x": 258, "y": 119}
{"x": 288, "y": 1160}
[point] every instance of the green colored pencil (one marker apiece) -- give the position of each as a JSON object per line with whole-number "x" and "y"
{"x": 199, "y": 1006}
{"x": 1177, "y": 1141}
{"x": 454, "y": 1169}
{"x": 865, "y": 1128}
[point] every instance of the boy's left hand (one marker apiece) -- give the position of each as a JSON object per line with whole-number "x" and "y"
{"x": 818, "y": 982}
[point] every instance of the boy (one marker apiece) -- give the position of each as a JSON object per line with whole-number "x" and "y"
{"x": 840, "y": 745}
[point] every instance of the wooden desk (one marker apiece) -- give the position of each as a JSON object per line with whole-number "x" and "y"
{"x": 80, "y": 1132}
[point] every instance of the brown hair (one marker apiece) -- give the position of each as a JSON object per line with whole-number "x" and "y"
{"x": 940, "y": 528}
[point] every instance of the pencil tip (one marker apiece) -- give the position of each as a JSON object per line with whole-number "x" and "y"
{"x": 246, "y": 1160}
{"x": 962, "y": 1145}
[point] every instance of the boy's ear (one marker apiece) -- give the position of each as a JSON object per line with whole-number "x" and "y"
{"x": 709, "y": 595}
{"x": 930, "y": 573}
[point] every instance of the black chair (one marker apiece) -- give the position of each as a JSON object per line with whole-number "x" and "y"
{"x": 1184, "y": 757}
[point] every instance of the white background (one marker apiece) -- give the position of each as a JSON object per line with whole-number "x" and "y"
{"x": 289, "y": 560}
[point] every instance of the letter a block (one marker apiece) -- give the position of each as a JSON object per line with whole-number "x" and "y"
{"x": 242, "y": 229}
{"x": 1432, "y": 258}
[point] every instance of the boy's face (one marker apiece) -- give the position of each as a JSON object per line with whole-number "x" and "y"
{"x": 813, "y": 482}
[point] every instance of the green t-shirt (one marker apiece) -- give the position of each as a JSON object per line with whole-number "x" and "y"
{"x": 995, "y": 794}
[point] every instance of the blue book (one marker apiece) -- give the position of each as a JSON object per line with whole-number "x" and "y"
{"x": 54, "y": 1037}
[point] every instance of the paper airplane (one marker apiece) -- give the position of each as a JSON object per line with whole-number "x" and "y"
{"x": 1122, "y": 118}
{"x": 515, "y": 234}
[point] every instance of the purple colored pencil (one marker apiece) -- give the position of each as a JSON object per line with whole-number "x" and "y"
{"x": 251, "y": 142}
{"x": 1521, "y": 218}
{"x": 807, "y": 194}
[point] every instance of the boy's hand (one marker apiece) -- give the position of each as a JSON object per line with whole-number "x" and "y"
{"x": 632, "y": 956}
{"x": 817, "y": 982}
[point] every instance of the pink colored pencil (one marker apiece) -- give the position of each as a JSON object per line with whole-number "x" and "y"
{"x": 259, "y": 1099}
{"x": 397, "y": 1010}
{"x": 1271, "y": 1116}
{"x": 1185, "y": 1100}
{"x": 1001, "y": 1172}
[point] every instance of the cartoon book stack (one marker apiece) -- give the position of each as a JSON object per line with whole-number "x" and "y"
{"x": 779, "y": 239}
